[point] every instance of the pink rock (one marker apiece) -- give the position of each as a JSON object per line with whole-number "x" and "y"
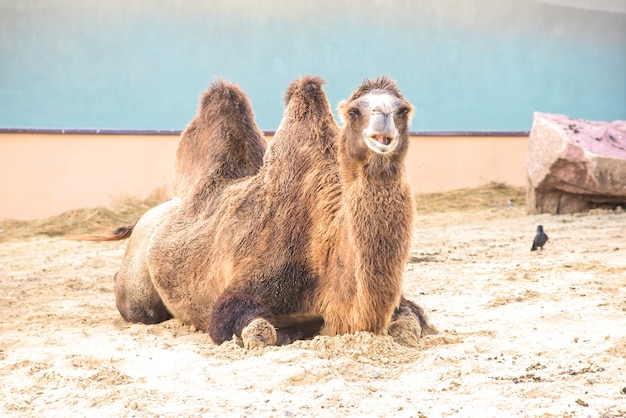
{"x": 575, "y": 165}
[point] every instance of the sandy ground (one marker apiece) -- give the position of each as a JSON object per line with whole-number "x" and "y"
{"x": 521, "y": 334}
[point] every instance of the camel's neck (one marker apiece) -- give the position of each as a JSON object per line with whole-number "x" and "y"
{"x": 378, "y": 222}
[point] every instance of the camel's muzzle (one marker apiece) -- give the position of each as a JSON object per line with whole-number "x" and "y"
{"x": 381, "y": 135}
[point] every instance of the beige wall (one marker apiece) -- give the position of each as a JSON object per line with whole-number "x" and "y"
{"x": 45, "y": 174}
{"x": 443, "y": 163}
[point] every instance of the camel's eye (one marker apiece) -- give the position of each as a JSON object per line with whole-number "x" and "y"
{"x": 403, "y": 112}
{"x": 354, "y": 114}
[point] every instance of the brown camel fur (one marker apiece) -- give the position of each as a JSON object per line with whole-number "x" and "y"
{"x": 223, "y": 139}
{"x": 319, "y": 235}
{"x": 221, "y": 144}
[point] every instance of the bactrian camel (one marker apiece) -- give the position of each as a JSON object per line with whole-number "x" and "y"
{"x": 270, "y": 245}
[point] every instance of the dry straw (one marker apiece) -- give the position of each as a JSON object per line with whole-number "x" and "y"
{"x": 124, "y": 211}
{"x": 127, "y": 210}
{"x": 492, "y": 195}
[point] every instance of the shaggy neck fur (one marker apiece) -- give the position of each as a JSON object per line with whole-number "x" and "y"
{"x": 376, "y": 225}
{"x": 373, "y": 232}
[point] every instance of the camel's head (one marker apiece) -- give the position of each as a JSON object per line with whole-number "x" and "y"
{"x": 378, "y": 115}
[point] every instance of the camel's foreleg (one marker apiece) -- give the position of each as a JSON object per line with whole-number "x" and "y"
{"x": 244, "y": 316}
{"x": 409, "y": 323}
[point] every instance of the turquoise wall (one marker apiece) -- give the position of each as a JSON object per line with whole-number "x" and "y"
{"x": 464, "y": 64}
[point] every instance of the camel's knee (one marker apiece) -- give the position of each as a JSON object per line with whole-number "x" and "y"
{"x": 258, "y": 333}
{"x": 409, "y": 323}
{"x": 405, "y": 330}
{"x": 246, "y": 317}
{"x": 138, "y": 304}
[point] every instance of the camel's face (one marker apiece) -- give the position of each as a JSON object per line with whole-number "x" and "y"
{"x": 380, "y": 117}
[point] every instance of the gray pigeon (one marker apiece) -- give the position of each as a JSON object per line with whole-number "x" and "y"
{"x": 540, "y": 239}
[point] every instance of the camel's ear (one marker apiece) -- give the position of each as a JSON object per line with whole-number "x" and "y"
{"x": 340, "y": 109}
{"x": 410, "y": 113}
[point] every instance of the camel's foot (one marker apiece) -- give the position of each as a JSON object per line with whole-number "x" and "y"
{"x": 287, "y": 336}
{"x": 258, "y": 333}
{"x": 295, "y": 327}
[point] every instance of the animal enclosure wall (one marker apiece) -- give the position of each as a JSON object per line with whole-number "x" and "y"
{"x": 467, "y": 66}
{"x": 470, "y": 65}
{"x": 45, "y": 174}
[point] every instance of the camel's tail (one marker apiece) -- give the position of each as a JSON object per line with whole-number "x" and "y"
{"x": 120, "y": 233}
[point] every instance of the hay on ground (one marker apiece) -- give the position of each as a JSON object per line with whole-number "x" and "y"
{"x": 126, "y": 211}
{"x": 492, "y": 195}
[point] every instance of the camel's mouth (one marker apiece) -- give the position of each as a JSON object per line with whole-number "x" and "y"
{"x": 381, "y": 144}
{"x": 383, "y": 139}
